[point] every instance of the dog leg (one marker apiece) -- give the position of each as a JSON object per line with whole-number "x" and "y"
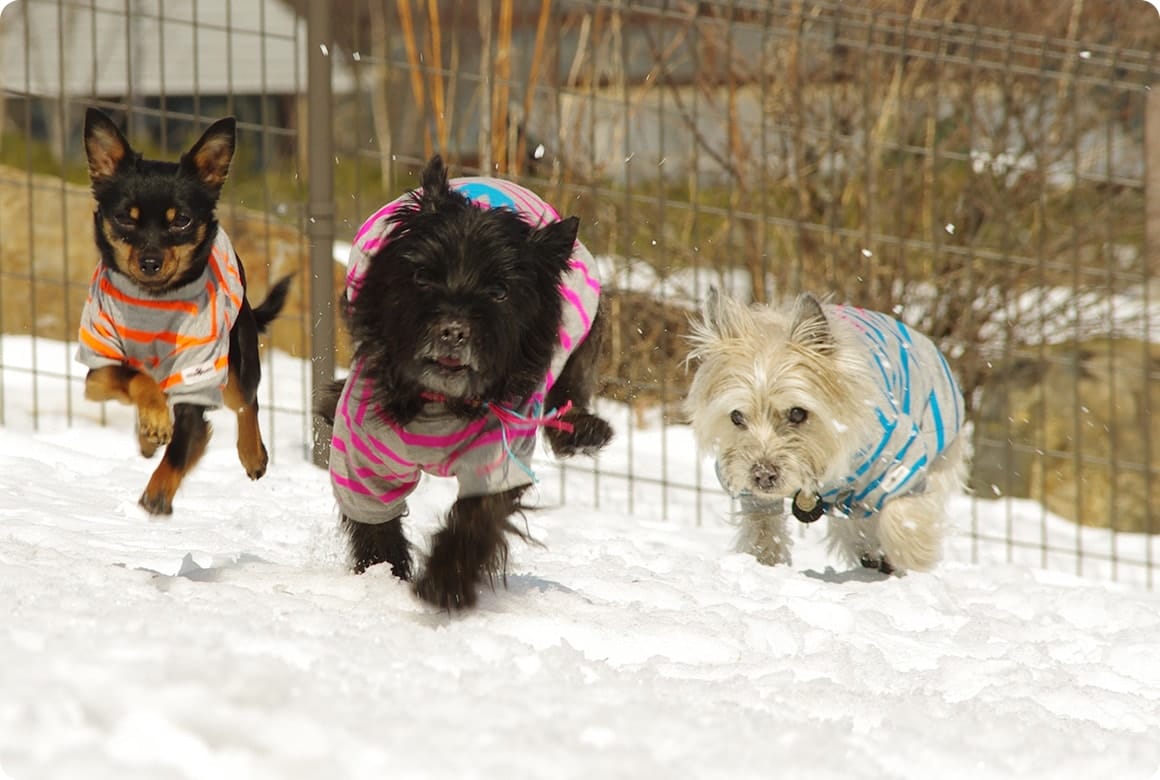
{"x": 577, "y": 383}
{"x": 856, "y": 542}
{"x": 374, "y": 543}
{"x": 326, "y": 398}
{"x": 911, "y": 531}
{"x": 129, "y": 386}
{"x": 241, "y": 390}
{"x": 251, "y": 451}
{"x": 191, "y": 434}
{"x": 763, "y": 533}
{"x": 469, "y": 548}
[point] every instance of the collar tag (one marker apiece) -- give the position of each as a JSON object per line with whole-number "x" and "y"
{"x": 808, "y": 507}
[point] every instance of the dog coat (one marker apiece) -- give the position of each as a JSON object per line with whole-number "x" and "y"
{"x": 179, "y": 337}
{"x": 918, "y": 405}
{"x": 375, "y": 463}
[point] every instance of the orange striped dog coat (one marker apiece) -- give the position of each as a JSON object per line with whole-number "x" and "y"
{"x": 179, "y": 337}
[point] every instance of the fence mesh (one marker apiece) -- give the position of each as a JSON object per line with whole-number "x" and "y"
{"x": 987, "y": 174}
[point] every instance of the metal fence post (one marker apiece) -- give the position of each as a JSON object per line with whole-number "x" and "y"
{"x": 320, "y": 207}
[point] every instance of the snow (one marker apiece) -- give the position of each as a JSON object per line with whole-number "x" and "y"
{"x": 229, "y": 641}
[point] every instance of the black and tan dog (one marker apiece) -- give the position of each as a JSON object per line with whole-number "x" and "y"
{"x": 167, "y": 327}
{"x": 475, "y": 316}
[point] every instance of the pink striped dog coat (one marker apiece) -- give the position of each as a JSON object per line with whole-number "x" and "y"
{"x": 376, "y": 463}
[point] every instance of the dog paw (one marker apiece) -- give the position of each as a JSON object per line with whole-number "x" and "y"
{"x": 869, "y": 561}
{"x": 773, "y": 557}
{"x": 154, "y": 425}
{"x": 156, "y": 502}
{"x": 375, "y": 543}
{"x": 148, "y": 448}
{"x": 447, "y": 590}
{"x": 588, "y": 436}
{"x": 771, "y": 552}
{"x": 255, "y": 463}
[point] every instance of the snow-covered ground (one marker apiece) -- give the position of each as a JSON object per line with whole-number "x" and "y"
{"x": 228, "y": 641}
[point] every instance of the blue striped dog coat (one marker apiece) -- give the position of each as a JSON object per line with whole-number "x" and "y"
{"x": 919, "y": 407}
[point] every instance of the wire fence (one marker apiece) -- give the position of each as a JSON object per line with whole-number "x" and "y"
{"x": 989, "y": 175}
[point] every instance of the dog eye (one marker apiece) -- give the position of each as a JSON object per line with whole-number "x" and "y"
{"x": 498, "y": 293}
{"x": 797, "y": 415}
{"x": 737, "y": 418}
{"x": 124, "y": 220}
{"x": 180, "y": 222}
{"x": 424, "y": 278}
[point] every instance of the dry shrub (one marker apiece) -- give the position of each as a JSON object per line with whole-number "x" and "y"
{"x": 644, "y": 355}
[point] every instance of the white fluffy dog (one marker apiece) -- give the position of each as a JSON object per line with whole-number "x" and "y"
{"x": 847, "y": 411}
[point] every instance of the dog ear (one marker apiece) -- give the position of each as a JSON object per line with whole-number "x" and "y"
{"x": 433, "y": 183}
{"x": 721, "y": 314}
{"x": 722, "y": 319}
{"x": 209, "y": 159}
{"x": 105, "y": 146}
{"x": 810, "y": 327}
{"x": 713, "y": 308}
{"x": 554, "y": 241}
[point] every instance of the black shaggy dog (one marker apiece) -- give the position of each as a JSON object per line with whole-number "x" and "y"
{"x": 475, "y": 318}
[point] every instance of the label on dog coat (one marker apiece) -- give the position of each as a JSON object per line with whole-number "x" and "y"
{"x": 200, "y": 373}
{"x": 181, "y": 337}
{"x": 895, "y": 477}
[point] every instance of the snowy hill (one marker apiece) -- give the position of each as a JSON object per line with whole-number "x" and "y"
{"x": 230, "y": 642}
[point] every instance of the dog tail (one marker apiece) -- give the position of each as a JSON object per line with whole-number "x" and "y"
{"x": 326, "y": 399}
{"x": 265, "y": 312}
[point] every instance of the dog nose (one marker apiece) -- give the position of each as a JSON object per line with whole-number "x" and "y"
{"x": 765, "y": 476}
{"x": 453, "y": 333}
{"x": 149, "y": 264}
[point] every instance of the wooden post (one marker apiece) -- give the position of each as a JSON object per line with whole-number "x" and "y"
{"x": 320, "y": 207}
{"x": 1152, "y": 183}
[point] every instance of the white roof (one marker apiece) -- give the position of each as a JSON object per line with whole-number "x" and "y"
{"x": 175, "y": 47}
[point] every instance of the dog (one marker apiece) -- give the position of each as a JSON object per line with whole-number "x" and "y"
{"x": 848, "y": 412}
{"x": 167, "y": 327}
{"x": 475, "y": 320}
